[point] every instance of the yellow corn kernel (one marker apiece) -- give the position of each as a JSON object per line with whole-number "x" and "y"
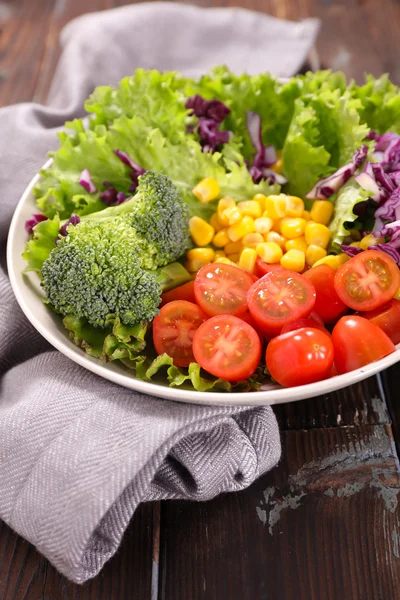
{"x": 296, "y": 244}
{"x": 269, "y": 252}
{"x": 251, "y": 208}
{"x": 202, "y": 232}
{"x": 194, "y": 265}
{"x": 275, "y": 237}
{"x": 234, "y": 257}
{"x": 214, "y": 222}
{"x": 205, "y": 254}
{"x": 355, "y": 244}
{"x": 239, "y": 230}
{"x": 343, "y": 258}
{"x": 330, "y": 260}
{"x": 278, "y": 166}
{"x": 314, "y": 253}
{"x": 232, "y": 215}
{"x": 292, "y": 228}
{"x": 220, "y": 239}
{"x": 370, "y": 240}
{"x": 275, "y": 206}
{"x": 207, "y": 190}
{"x": 276, "y": 225}
{"x": 263, "y": 224}
{"x": 317, "y": 234}
{"x": 321, "y": 211}
{"x": 219, "y": 254}
{"x": 225, "y": 261}
{"x": 294, "y": 207}
{"x": 223, "y": 204}
{"x": 233, "y": 247}
{"x": 260, "y": 198}
{"x": 306, "y": 215}
{"x": 252, "y": 239}
{"x": 247, "y": 260}
{"x": 397, "y": 294}
{"x": 294, "y": 260}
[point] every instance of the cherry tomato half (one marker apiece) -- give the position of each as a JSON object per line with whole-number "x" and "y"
{"x": 222, "y": 289}
{"x": 262, "y": 268}
{"x": 358, "y": 342}
{"x": 387, "y": 318}
{"x": 279, "y": 297}
{"x": 313, "y": 320}
{"x": 327, "y": 305}
{"x": 182, "y": 292}
{"x": 368, "y": 280}
{"x": 227, "y": 347}
{"x": 300, "y": 357}
{"x": 174, "y": 328}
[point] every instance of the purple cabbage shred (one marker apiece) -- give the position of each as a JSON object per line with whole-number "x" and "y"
{"x": 215, "y": 110}
{"x": 210, "y": 113}
{"x": 350, "y": 250}
{"x": 34, "y": 220}
{"x": 86, "y": 181}
{"x": 265, "y": 156}
{"x": 73, "y": 220}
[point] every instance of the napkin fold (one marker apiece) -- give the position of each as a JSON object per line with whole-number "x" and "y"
{"x": 78, "y": 453}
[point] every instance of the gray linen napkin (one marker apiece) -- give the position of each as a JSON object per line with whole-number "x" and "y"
{"x": 77, "y": 453}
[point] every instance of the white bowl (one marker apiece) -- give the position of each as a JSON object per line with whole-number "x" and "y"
{"x": 29, "y": 296}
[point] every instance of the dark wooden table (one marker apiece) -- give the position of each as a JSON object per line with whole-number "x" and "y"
{"x": 324, "y": 524}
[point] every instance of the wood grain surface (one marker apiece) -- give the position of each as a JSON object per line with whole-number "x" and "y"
{"x": 324, "y": 524}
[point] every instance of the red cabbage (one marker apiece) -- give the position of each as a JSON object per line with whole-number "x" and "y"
{"x": 265, "y": 156}
{"x": 391, "y": 230}
{"x": 350, "y": 250}
{"x": 210, "y": 136}
{"x": 73, "y": 220}
{"x": 390, "y": 209}
{"x": 126, "y": 159}
{"x": 382, "y": 178}
{"x": 326, "y": 187}
{"x": 86, "y": 181}
{"x": 109, "y": 196}
{"x": 390, "y": 250}
{"x": 215, "y": 110}
{"x": 34, "y": 220}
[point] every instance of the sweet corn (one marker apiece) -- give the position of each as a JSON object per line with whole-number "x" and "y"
{"x": 322, "y": 211}
{"x": 295, "y": 207}
{"x": 205, "y": 254}
{"x": 252, "y": 239}
{"x": 296, "y": 244}
{"x": 219, "y": 254}
{"x": 221, "y": 238}
{"x": 194, "y": 265}
{"x": 233, "y": 247}
{"x": 214, "y": 222}
{"x": 274, "y": 236}
{"x": 247, "y": 260}
{"x": 276, "y": 225}
{"x": 275, "y": 206}
{"x": 269, "y": 252}
{"x": 317, "y": 234}
{"x": 260, "y": 198}
{"x": 207, "y": 190}
{"x": 370, "y": 240}
{"x": 263, "y": 224}
{"x": 251, "y": 208}
{"x": 234, "y": 257}
{"x": 330, "y": 260}
{"x": 294, "y": 260}
{"x": 224, "y": 261}
{"x": 232, "y": 215}
{"x": 292, "y": 228}
{"x": 278, "y": 166}
{"x": 342, "y": 258}
{"x": 314, "y": 253}
{"x": 239, "y": 230}
{"x": 223, "y": 204}
{"x": 202, "y": 232}
{"x": 306, "y": 215}
{"x": 355, "y": 244}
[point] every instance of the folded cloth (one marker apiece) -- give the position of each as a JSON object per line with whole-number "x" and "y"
{"x": 78, "y": 453}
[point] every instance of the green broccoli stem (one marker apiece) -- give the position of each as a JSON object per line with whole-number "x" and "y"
{"x": 172, "y": 276}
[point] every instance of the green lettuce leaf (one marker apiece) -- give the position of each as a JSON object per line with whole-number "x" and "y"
{"x": 346, "y": 199}
{"x": 38, "y": 248}
{"x": 380, "y": 103}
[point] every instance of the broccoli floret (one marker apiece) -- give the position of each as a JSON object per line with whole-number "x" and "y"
{"x": 159, "y": 216}
{"x": 97, "y": 270}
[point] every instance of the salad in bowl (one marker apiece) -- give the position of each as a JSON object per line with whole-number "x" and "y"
{"x": 220, "y": 233}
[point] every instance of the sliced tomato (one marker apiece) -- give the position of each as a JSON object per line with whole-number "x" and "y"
{"x": 182, "y": 292}
{"x": 174, "y": 328}
{"x": 249, "y": 319}
{"x": 368, "y": 280}
{"x": 254, "y": 277}
{"x": 262, "y": 268}
{"x": 327, "y": 305}
{"x": 278, "y": 298}
{"x": 222, "y": 289}
{"x": 387, "y": 318}
{"x": 313, "y": 320}
{"x": 227, "y": 347}
{"x": 300, "y": 357}
{"x": 358, "y": 342}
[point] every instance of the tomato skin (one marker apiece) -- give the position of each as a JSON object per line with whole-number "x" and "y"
{"x": 327, "y": 305}
{"x": 227, "y": 347}
{"x": 300, "y": 357}
{"x": 358, "y": 342}
{"x": 278, "y": 298}
{"x": 262, "y": 268}
{"x": 369, "y": 269}
{"x": 182, "y": 292}
{"x": 174, "y": 328}
{"x": 313, "y": 320}
{"x": 222, "y": 289}
{"x": 247, "y": 318}
{"x": 387, "y": 318}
